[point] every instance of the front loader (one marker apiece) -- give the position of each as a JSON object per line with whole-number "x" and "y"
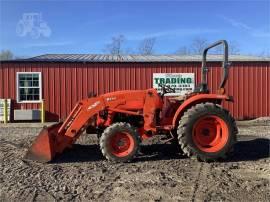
{"x": 123, "y": 119}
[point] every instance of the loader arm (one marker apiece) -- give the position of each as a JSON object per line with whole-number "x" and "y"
{"x": 80, "y": 115}
{"x": 56, "y": 138}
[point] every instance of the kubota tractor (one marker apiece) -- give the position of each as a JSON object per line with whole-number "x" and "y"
{"x": 123, "y": 119}
{"x": 33, "y": 24}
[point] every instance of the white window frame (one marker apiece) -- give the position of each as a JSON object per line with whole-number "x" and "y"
{"x": 18, "y": 88}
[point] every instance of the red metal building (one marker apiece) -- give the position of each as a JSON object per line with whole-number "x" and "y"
{"x": 62, "y": 80}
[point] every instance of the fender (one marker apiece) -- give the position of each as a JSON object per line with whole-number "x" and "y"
{"x": 199, "y": 98}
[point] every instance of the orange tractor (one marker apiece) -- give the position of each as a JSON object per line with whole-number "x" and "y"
{"x": 123, "y": 119}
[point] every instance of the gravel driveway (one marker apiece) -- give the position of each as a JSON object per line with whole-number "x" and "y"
{"x": 160, "y": 173}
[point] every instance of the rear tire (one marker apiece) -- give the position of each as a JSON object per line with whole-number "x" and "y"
{"x": 120, "y": 142}
{"x": 207, "y": 132}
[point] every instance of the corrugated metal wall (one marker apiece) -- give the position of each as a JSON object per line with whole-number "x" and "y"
{"x": 65, "y": 83}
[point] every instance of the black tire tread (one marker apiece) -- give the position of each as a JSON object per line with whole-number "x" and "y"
{"x": 108, "y": 131}
{"x": 188, "y": 149}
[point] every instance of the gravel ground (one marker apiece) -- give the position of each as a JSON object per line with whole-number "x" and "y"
{"x": 159, "y": 173}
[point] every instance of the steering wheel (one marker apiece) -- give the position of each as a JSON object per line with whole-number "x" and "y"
{"x": 165, "y": 89}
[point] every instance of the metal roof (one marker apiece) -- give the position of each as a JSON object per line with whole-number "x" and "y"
{"x": 136, "y": 58}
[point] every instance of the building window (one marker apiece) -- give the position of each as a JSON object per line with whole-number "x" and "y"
{"x": 29, "y": 87}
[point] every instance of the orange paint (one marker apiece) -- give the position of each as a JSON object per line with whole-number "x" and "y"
{"x": 122, "y": 144}
{"x": 210, "y": 134}
{"x": 55, "y": 139}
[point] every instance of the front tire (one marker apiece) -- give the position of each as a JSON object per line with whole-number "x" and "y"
{"x": 207, "y": 132}
{"x": 120, "y": 142}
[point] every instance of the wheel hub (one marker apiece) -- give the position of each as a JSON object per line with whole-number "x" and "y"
{"x": 122, "y": 144}
{"x": 210, "y": 133}
{"x": 205, "y": 132}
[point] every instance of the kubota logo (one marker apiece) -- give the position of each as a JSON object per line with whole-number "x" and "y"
{"x": 110, "y": 98}
{"x": 94, "y": 105}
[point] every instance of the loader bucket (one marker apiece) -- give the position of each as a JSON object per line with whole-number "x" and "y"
{"x": 44, "y": 146}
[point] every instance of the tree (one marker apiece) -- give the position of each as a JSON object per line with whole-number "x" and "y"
{"x": 146, "y": 47}
{"x": 6, "y": 55}
{"x": 233, "y": 48}
{"x": 265, "y": 53}
{"x": 183, "y": 51}
{"x": 116, "y": 45}
{"x": 198, "y": 45}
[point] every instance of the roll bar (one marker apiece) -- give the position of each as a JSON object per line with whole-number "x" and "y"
{"x": 225, "y": 65}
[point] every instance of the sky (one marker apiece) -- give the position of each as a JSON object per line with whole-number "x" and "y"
{"x": 66, "y": 26}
